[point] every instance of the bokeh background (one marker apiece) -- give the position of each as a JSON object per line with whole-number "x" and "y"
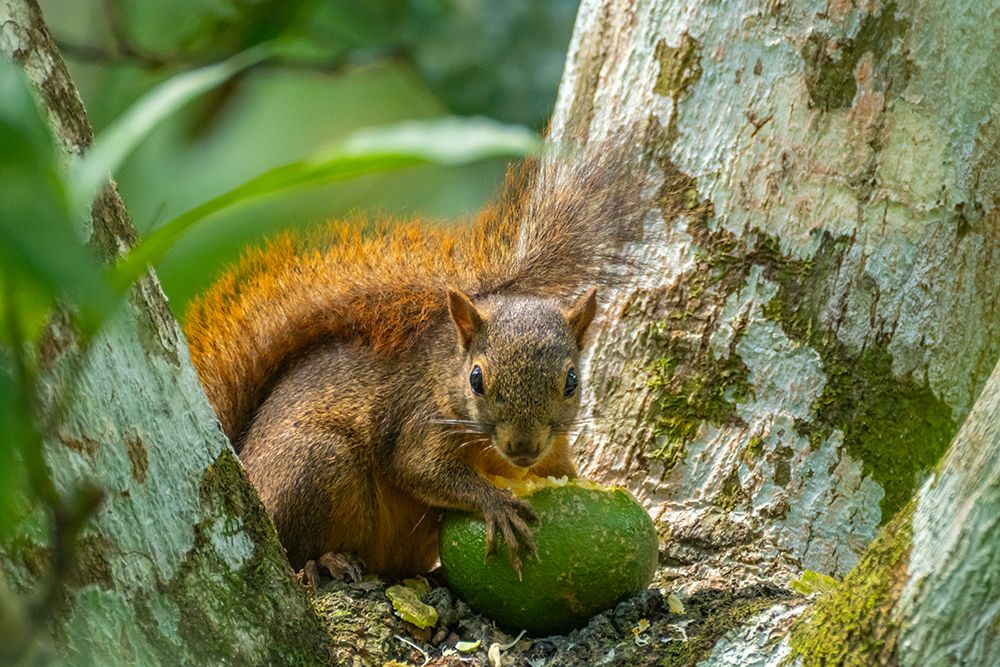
{"x": 346, "y": 65}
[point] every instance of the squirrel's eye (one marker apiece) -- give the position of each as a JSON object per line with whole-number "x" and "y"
{"x": 476, "y": 380}
{"x": 571, "y": 383}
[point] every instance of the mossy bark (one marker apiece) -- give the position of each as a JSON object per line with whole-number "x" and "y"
{"x": 817, "y": 303}
{"x": 924, "y": 593}
{"x": 180, "y": 565}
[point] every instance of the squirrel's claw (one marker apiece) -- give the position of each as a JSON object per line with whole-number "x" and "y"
{"x": 513, "y": 520}
{"x": 341, "y": 566}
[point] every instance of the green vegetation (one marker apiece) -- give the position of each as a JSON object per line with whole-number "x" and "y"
{"x": 693, "y": 387}
{"x": 896, "y": 426}
{"x": 814, "y": 582}
{"x": 680, "y": 66}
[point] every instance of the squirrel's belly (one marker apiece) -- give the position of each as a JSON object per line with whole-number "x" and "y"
{"x": 405, "y": 537}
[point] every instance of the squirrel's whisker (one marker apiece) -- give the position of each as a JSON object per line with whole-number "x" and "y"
{"x": 466, "y": 443}
{"x": 467, "y": 422}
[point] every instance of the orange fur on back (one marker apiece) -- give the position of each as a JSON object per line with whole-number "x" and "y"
{"x": 551, "y": 233}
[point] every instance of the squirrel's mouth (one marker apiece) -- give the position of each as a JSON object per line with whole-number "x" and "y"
{"x": 523, "y": 451}
{"x": 523, "y": 460}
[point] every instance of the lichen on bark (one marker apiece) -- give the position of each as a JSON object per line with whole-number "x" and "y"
{"x": 692, "y": 385}
{"x": 297, "y": 639}
{"x": 679, "y": 66}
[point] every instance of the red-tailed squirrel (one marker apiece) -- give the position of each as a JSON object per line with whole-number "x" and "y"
{"x": 372, "y": 377}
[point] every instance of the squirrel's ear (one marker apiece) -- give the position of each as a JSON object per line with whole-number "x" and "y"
{"x": 467, "y": 318}
{"x": 582, "y": 314}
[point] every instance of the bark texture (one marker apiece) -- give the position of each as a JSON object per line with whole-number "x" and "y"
{"x": 949, "y": 607}
{"x": 181, "y": 565}
{"x": 817, "y": 306}
{"x": 926, "y": 592}
{"x": 816, "y": 312}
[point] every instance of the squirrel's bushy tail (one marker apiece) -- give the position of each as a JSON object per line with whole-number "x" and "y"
{"x": 557, "y": 228}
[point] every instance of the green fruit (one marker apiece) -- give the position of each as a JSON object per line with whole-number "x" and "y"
{"x": 596, "y": 546}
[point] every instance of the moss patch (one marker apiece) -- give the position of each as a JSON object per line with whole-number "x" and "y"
{"x": 731, "y": 493}
{"x": 692, "y": 385}
{"x": 754, "y": 449}
{"x": 137, "y": 456}
{"x": 680, "y": 66}
{"x": 897, "y": 427}
{"x": 692, "y": 388}
{"x": 361, "y": 621}
{"x": 680, "y": 70}
{"x": 853, "y": 625}
{"x": 829, "y": 72}
{"x": 91, "y": 565}
{"x": 219, "y": 601}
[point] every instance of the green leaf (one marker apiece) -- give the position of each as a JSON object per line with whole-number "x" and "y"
{"x": 444, "y": 141}
{"x": 40, "y": 247}
{"x": 467, "y": 646}
{"x": 121, "y": 137}
{"x": 814, "y": 582}
{"x": 449, "y": 141}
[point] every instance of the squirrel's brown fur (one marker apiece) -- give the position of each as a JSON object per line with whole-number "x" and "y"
{"x": 332, "y": 360}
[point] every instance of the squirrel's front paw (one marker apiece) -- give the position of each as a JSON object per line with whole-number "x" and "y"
{"x": 511, "y": 518}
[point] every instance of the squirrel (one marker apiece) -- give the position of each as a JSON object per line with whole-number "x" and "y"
{"x": 371, "y": 376}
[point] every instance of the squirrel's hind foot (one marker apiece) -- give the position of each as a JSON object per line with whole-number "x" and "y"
{"x": 341, "y": 566}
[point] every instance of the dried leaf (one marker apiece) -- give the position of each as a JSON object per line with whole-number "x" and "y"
{"x": 494, "y": 655}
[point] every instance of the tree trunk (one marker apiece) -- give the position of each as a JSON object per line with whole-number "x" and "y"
{"x": 816, "y": 312}
{"x": 817, "y": 307}
{"x": 927, "y": 591}
{"x": 180, "y": 565}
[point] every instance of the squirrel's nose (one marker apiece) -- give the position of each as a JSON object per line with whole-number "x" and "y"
{"x": 522, "y": 446}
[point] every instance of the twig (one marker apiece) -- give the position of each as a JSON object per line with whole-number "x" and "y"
{"x": 427, "y": 658}
{"x": 100, "y": 55}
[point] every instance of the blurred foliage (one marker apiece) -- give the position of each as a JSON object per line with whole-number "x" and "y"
{"x": 345, "y": 66}
{"x": 39, "y": 250}
{"x": 501, "y": 59}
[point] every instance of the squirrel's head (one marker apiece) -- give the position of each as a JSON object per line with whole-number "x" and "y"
{"x": 520, "y": 377}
